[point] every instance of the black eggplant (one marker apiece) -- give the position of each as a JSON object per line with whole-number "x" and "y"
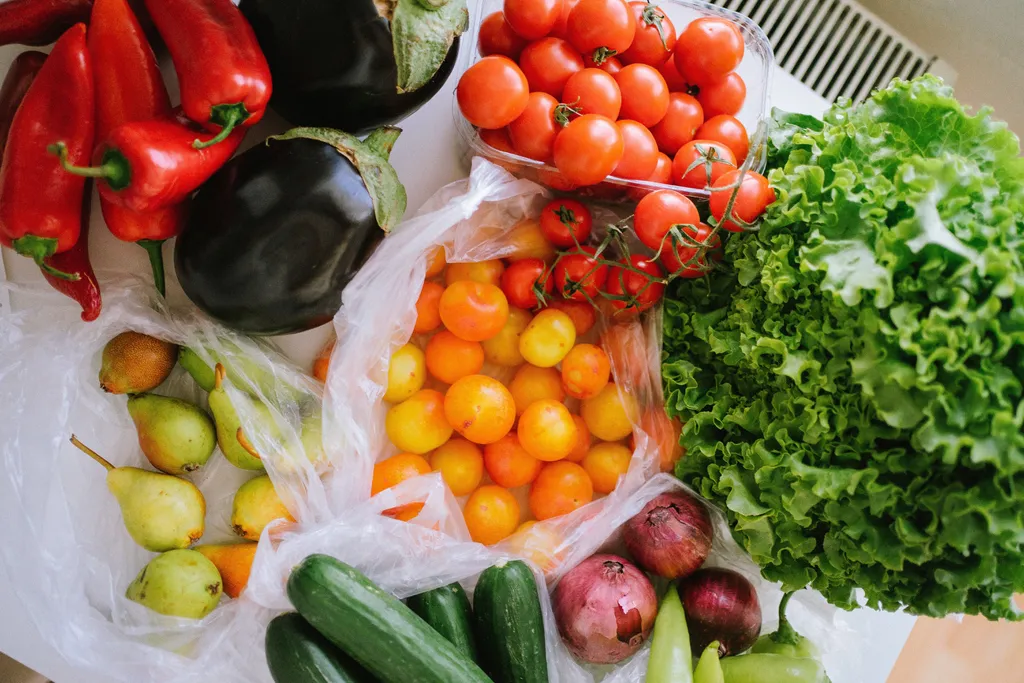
{"x": 275, "y": 235}
{"x": 355, "y": 65}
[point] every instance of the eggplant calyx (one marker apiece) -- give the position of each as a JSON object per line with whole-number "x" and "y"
{"x": 423, "y": 32}
{"x": 370, "y": 158}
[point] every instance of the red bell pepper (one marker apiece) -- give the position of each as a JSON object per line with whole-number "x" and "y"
{"x": 40, "y": 204}
{"x": 19, "y": 77}
{"x": 39, "y": 22}
{"x": 129, "y": 88}
{"x": 224, "y": 77}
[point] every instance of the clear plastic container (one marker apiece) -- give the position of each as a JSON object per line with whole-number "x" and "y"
{"x": 756, "y": 70}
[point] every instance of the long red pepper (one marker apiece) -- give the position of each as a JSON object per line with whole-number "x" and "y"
{"x": 224, "y": 77}
{"x": 129, "y": 88}
{"x": 39, "y": 22}
{"x": 40, "y": 204}
{"x": 85, "y": 290}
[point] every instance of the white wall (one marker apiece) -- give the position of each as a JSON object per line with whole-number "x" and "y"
{"x": 982, "y": 39}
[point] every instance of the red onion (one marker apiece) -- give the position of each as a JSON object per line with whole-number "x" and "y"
{"x": 671, "y": 536}
{"x": 605, "y": 609}
{"x": 721, "y": 605}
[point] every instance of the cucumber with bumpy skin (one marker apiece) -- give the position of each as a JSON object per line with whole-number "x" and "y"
{"x": 510, "y": 624}
{"x": 448, "y": 611}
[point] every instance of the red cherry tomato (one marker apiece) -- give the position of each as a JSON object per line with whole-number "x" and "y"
{"x": 723, "y": 97}
{"x": 708, "y": 49}
{"x": 532, "y": 19}
{"x": 588, "y": 149}
{"x": 644, "y": 94}
{"x": 655, "y": 35}
{"x": 601, "y": 23}
{"x": 687, "y": 260}
{"x": 729, "y": 131}
{"x": 561, "y": 27}
{"x": 662, "y": 175}
{"x": 753, "y": 196}
{"x": 498, "y": 139}
{"x": 610, "y": 65}
{"x": 498, "y": 38}
{"x": 639, "y": 152}
{"x": 699, "y": 163}
{"x": 682, "y": 120}
{"x": 548, "y": 63}
{"x": 643, "y": 291}
{"x": 670, "y": 73}
{"x": 579, "y": 276}
{"x": 656, "y": 213}
{"x": 593, "y": 91}
{"x": 493, "y": 92}
{"x": 520, "y": 278}
{"x": 566, "y": 223}
{"x": 533, "y": 133}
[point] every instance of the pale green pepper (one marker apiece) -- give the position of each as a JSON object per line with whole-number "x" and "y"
{"x": 671, "y": 661}
{"x": 709, "y": 668}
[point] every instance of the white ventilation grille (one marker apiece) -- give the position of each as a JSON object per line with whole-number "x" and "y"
{"x": 836, "y": 47}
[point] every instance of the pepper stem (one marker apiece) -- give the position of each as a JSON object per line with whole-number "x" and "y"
{"x": 39, "y": 249}
{"x": 229, "y": 117}
{"x": 114, "y": 169}
{"x": 91, "y": 453}
{"x": 156, "y": 261}
{"x": 786, "y": 632}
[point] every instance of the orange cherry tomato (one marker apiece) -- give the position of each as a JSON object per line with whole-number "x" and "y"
{"x": 657, "y": 213}
{"x": 582, "y": 313}
{"x": 404, "y": 513}
{"x": 473, "y": 311}
{"x": 322, "y": 364}
{"x": 639, "y": 152}
{"x": 605, "y": 463}
{"x": 699, "y": 163}
{"x": 531, "y": 384}
{"x": 655, "y": 35}
{"x": 753, "y": 196}
{"x": 708, "y": 49}
{"x": 493, "y": 92}
{"x": 450, "y": 358}
{"x": 589, "y": 148}
{"x": 503, "y": 348}
{"x": 644, "y": 94}
{"x": 683, "y": 118}
{"x": 608, "y": 24}
{"x": 436, "y": 261}
{"x": 539, "y": 543}
{"x": 491, "y": 514}
{"x": 461, "y": 464}
{"x": 428, "y": 317}
{"x": 487, "y": 272}
{"x": 528, "y": 241}
{"x": 418, "y": 424}
{"x": 664, "y": 433}
{"x": 689, "y": 261}
{"x": 608, "y": 415}
{"x": 729, "y": 131}
{"x": 593, "y": 91}
{"x": 579, "y": 451}
{"x": 533, "y": 133}
{"x": 498, "y": 38}
{"x": 548, "y": 64}
{"x": 547, "y": 431}
{"x": 508, "y": 463}
{"x": 723, "y": 97}
{"x": 585, "y": 371}
{"x": 547, "y": 339}
{"x": 498, "y": 139}
{"x": 532, "y": 19}
{"x": 396, "y": 469}
{"x": 674, "y": 79}
{"x": 480, "y": 408}
{"x": 407, "y": 373}
{"x": 560, "y": 488}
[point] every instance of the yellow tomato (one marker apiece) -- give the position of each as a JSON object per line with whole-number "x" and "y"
{"x": 579, "y": 451}
{"x": 418, "y": 424}
{"x": 450, "y": 358}
{"x": 608, "y": 415}
{"x": 395, "y": 470}
{"x": 531, "y": 384}
{"x": 605, "y": 463}
{"x": 406, "y": 374}
{"x": 461, "y": 465}
{"x": 480, "y": 408}
{"x": 435, "y": 261}
{"x": 503, "y": 348}
{"x": 529, "y": 242}
{"x": 547, "y": 431}
{"x": 487, "y": 272}
{"x": 548, "y": 338}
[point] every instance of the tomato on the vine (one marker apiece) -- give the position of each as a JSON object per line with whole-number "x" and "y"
{"x": 723, "y": 97}
{"x": 655, "y": 35}
{"x": 548, "y": 63}
{"x": 656, "y": 213}
{"x": 730, "y": 132}
{"x": 533, "y": 133}
{"x": 635, "y": 292}
{"x": 599, "y": 60}
{"x": 639, "y": 152}
{"x": 688, "y": 260}
{"x": 588, "y": 149}
{"x": 644, "y": 94}
{"x": 593, "y": 91}
{"x": 753, "y": 196}
{"x": 684, "y": 117}
{"x": 699, "y": 163}
{"x": 498, "y": 139}
{"x": 579, "y": 276}
{"x": 522, "y": 279}
{"x": 708, "y": 49}
{"x": 498, "y": 38}
{"x": 493, "y": 92}
{"x": 566, "y": 222}
{"x": 532, "y": 19}
{"x": 594, "y": 24}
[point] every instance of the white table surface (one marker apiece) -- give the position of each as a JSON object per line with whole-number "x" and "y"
{"x": 427, "y": 156}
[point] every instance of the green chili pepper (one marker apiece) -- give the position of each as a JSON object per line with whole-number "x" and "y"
{"x": 709, "y": 668}
{"x": 671, "y": 661}
{"x": 786, "y": 641}
{"x": 767, "y": 668}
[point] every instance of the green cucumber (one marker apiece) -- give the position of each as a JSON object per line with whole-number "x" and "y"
{"x": 510, "y": 625}
{"x": 448, "y": 611}
{"x": 374, "y": 627}
{"x": 297, "y": 653}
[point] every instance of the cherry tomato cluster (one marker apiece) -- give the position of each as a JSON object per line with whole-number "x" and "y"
{"x": 605, "y": 88}
{"x": 557, "y": 428}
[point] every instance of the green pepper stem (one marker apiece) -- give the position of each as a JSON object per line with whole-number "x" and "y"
{"x": 39, "y": 249}
{"x": 231, "y": 117}
{"x": 786, "y": 632}
{"x": 156, "y": 261}
{"x": 114, "y": 169}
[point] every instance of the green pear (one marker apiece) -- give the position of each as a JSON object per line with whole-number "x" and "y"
{"x": 311, "y": 448}
{"x": 176, "y": 436}
{"x": 179, "y": 583}
{"x": 256, "y": 505}
{"x": 134, "y": 362}
{"x": 230, "y": 437}
{"x": 239, "y": 366}
{"x": 195, "y": 366}
{"x": 160, "y": 512}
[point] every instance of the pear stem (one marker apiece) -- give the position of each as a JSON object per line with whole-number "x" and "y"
{"x": 91, "y": 453}
{"x": 244, "y": 442}
{"x": 218, "y": 376}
